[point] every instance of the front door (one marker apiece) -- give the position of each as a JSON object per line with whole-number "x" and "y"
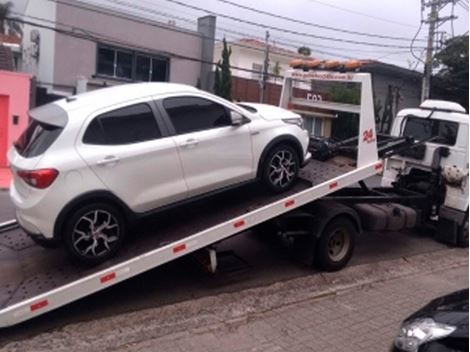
{"x": 214, "y": 154}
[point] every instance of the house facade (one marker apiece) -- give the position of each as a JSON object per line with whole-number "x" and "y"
{"x": 71, "y": 46}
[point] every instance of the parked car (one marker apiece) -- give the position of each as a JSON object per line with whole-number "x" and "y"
{"x": 88, "y": 163}
{"x": 442, "y": 326}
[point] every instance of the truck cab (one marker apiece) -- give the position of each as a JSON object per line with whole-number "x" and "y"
{"x": 438, "y": 162}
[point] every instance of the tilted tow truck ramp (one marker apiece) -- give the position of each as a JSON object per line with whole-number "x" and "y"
{"x": 34, "y": 280}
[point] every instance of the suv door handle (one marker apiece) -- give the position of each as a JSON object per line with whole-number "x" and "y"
{"x": 190, "y": 143}
{"x": 110, "y": 160}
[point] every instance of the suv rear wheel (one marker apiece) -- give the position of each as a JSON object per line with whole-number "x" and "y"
{"x": 94, "y": 233}
{"x": 280, "y": 168}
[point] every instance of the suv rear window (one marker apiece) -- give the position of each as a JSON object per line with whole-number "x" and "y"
{"x": 442, "y": 132}
{"x": 36, "y": 139}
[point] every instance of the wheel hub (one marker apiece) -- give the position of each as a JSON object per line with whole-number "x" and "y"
{"x": 338, "y": 245}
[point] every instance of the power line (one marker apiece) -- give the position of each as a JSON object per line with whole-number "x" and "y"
{"x": 416, "y": 34}
{"x": 91, "y": 36}
{"x": 363, "y": 14}
{"x": 463, "y": 5}
{"x": 136, "y": 7}
{"x": 154, "y": 24}
{"x": 312, "y": 24}
{"x": 282, "y": 41}
{"x": 285, "y": 30}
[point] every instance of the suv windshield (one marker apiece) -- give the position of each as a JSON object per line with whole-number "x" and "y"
{"x": 37, "y": 137}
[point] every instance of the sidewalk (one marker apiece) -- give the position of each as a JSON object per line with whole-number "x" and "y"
{"x": 357, "y": 309}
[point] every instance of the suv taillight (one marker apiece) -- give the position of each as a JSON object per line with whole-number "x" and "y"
{"x": 41, "y": 179}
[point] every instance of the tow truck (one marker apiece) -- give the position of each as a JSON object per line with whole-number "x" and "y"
{"x": 322, "y": 213}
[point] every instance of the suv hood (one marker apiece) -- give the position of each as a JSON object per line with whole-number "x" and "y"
{"x": 269, "y": 112}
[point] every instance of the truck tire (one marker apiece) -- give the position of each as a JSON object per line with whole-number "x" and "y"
{"x": 94, "y": 233}
{"x": 462, "y": 235}
{"x": 281, "y": 168}
{"x": 336, "y": 245}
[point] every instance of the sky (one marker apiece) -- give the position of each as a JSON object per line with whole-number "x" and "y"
{"x": 397, "y": 18}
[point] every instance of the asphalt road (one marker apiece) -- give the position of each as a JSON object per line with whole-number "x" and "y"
{"x": 249, "y": 261}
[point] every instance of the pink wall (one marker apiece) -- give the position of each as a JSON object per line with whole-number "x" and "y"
{"x": 15, "y": 87}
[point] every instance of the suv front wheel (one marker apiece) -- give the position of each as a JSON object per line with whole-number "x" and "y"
{"x": 281, "y": 168}
{"x": 94, "y": 233}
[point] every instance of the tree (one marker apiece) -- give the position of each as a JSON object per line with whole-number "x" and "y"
{"x": 223, "y": 75}
{"x": 276, "y": 70}
{"x": 346, "y": 125}
{"x": 451, "y": 82}
{"x": 217, "y": 79}
{"x": 8, "y": 24}
{"x": 303, "y": 50}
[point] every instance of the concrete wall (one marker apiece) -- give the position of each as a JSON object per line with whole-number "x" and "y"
{"x": 77, "y": 57}
{"x": 409, "y": 89}
{"x": 245, "y": 57}
{"x": 14, "y": 101}
{"x": 38, "y": 60}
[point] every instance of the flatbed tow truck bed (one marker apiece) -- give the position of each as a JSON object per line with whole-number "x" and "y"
{"x": 34, "y": 280}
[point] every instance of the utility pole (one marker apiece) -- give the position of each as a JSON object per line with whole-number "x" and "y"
{"x": 265, "y": 68}
{"x": 434, "y": 21}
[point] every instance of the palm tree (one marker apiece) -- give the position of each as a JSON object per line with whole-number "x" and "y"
{"x": 9, "y": 22}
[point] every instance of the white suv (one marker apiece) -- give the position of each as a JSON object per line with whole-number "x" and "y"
{"x": 88, "y": 162}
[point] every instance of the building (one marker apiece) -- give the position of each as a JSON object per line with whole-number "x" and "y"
{"x": 248, "y": 54}
{"x": 395, "y": 87}
{"x": 10, "y": 52}
{"x": 71, "y": 46}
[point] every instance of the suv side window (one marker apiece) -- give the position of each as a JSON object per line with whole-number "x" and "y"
{"x": 128, "y": 125}
{"x": 189, "y": 114}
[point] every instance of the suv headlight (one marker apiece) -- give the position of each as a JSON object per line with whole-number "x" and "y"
{"x": 420, "y": 331}
{"x": 295, "y": 121}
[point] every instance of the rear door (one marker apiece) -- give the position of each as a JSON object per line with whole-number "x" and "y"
{"x": 136, "y": 160}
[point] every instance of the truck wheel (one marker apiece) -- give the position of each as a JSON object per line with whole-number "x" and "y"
{"x": 336, "y": 244}
{"x": 462, "y": 235}
{"x": 280, "y": 168}
{"x": 94, "y": 233}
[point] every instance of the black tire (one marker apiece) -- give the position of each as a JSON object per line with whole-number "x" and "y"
{"x": 335, "y": 247}
{"x": 462, "y": 234}
{"x": 80, "y": 225}
{"x": 282, "y": 161}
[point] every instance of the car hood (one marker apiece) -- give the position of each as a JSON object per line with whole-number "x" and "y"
{"x": 451, "y": 309}
{"x": 270, "y": 112}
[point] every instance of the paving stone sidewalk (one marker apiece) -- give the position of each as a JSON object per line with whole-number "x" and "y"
{"x": 357, "y": 309}
{"x": 359, "y": 320}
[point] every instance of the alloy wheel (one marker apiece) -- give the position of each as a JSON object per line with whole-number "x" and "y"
{"x": 282, "y": 168}
{"x": 95, "y": 233}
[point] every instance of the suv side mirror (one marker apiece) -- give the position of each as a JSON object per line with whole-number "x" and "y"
{"x": 236, "y": 118}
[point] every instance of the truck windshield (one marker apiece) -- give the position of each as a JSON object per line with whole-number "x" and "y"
{"x": 442, "y": 132}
